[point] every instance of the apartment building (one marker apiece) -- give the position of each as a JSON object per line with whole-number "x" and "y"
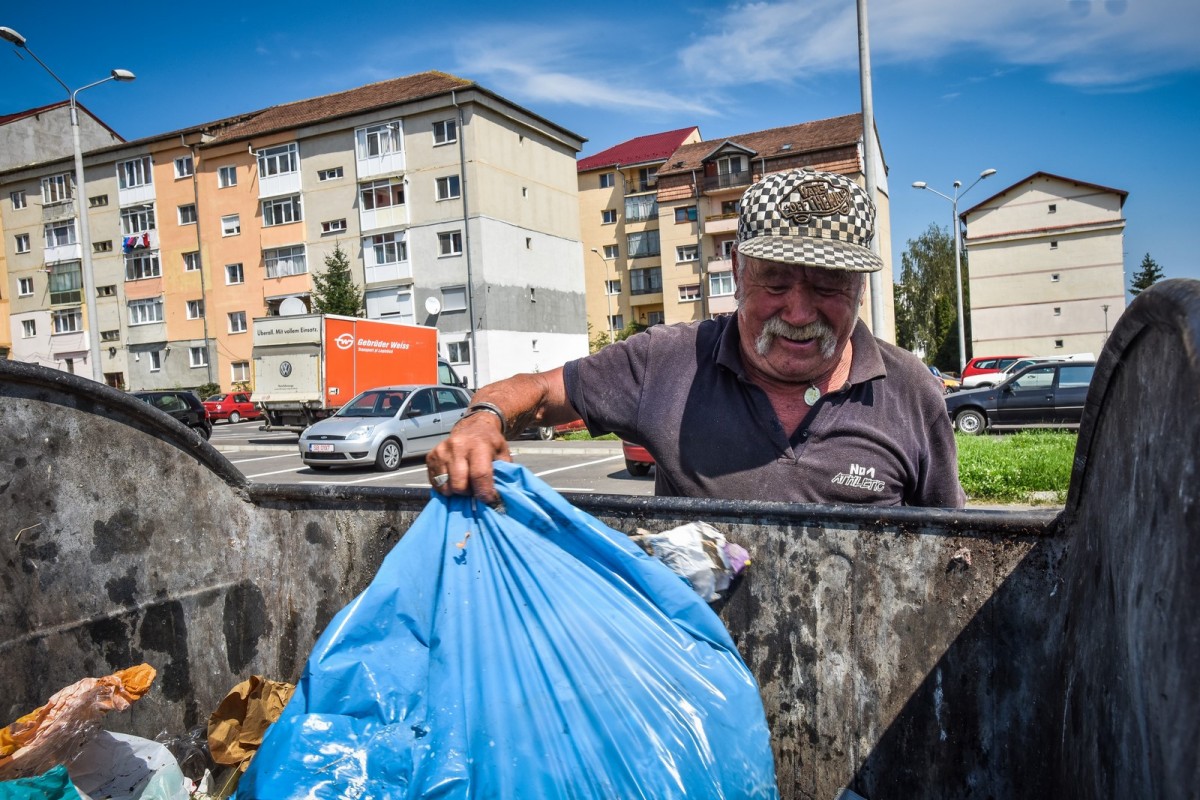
{"x": 658, "y": 227}
{"x": 1046, "y": 266}
{"x": 26, "y": 137}
{"x": 455, "y": 207}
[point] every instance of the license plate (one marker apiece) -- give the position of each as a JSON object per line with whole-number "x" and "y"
{"x": 320, "y": 448}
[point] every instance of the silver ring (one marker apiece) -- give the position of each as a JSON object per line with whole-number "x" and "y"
{"x": 441, "y": 480}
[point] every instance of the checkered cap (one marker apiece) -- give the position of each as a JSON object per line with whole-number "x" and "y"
{"x": 814, "y": 219}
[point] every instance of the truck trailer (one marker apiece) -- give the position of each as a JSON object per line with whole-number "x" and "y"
{"x": 308, "y": 366}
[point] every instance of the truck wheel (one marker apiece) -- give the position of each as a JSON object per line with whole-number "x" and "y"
{"x": 388, "y": 457}
{"x": 546, "y": 433}
{"x": 234, "y": 418}
{"x": 970, "y": 422}
{"x": 637, "y": 469}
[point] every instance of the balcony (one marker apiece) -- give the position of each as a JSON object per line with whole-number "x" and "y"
{"x": 638, "y": 185}
{"x": 384, "y": 273}
{"x": 58, "y": 212}
{"x": 724, "y": 223}
{"x": 729, "y": 180}
{"x": 62, "y": 252}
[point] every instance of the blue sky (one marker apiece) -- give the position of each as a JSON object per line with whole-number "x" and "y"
{"x": 1104, "y": 91}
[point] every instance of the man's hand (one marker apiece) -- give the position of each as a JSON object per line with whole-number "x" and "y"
{"x": 466, "y": 457}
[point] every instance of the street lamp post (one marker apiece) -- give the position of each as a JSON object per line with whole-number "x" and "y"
{"x": 607, "y": 293}
{"x": 962, "y": 337}
{"x": 80, "y": 196}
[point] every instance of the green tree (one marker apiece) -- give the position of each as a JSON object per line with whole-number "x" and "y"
{"x": 334, "y": 291}
{"x": 926, "y": 299}
{"x": 1149, "y": 274}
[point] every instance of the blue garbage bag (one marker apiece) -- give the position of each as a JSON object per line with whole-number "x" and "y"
{"x": 526, "y": 653}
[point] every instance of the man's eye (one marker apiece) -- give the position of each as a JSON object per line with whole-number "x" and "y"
{"x": 781, "y": 289}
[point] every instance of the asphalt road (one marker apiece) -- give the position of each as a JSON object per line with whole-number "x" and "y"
{"x": 597, "y": 467}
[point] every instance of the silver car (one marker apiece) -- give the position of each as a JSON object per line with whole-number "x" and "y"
{"x": 384, "y": 425}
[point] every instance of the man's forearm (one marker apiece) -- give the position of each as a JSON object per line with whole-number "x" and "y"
{"x": 529, "y": 399}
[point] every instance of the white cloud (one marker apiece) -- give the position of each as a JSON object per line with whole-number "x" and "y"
{"x": 1086, "y": 43}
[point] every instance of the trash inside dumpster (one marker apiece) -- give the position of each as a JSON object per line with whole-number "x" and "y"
{"x": 532, "y": 652}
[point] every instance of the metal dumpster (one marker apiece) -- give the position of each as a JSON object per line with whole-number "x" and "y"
{"x": 1056, "y": 661}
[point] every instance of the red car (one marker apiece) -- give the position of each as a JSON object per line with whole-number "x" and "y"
{"x": 982, "y": 365}
{"x": 234, "y": 407}
{"x": 638, "y": 460}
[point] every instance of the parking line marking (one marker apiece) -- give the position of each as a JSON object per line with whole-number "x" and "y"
{"x": 276, "y": 472}
{"x": 260, "y": 458}
{"x": 576, "y": 466}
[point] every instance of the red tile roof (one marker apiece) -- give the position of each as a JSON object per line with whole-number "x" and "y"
{"x": 822, "y": 134}
{"x": 641, "y": 150}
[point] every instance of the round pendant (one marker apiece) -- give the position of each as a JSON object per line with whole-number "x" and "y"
{"x": 812, "y": 395}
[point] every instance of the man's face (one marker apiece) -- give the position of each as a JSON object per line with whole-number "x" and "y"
{"x": 794, "y": 321}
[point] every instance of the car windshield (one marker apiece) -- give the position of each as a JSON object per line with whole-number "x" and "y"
{"x": 375, "y": 403}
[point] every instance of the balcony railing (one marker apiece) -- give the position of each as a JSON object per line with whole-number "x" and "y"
{"x": 728, "y": 180}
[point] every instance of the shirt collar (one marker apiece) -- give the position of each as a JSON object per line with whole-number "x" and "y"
{"x": 866, "y": 363}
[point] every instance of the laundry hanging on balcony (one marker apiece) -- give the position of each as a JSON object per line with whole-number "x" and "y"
{"x": 130, "y": 243}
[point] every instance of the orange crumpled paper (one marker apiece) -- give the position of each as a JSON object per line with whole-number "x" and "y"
{"x": 237, "y": 727}
{"x": 54, "y": 733}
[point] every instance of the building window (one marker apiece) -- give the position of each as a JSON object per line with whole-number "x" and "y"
{"x": 454, "y": 298}
{"x": 641, "y": 207}
{"x": 22, "y": 242}
{"x": 108, "y": 290}
{"x": 720, "y": 284}
{"x": 450, "y": 244}
{"x": 1058, "y": 343}
{"x": 731, "y": 165}
{"x": 110, "y": 336}
{"x": 381, "y": 194}
{"x": 612, "y": 251}
{"x": 1058, "y": 311}
{"x": 231, "y": 225}
{"x": 685, "y": 214}
{"x": 67, "y": 320}
{"x": 191, "y": 261}
{"x": 645, "y": 281}
{"x": 608, "y": 180}
{"x": 234, "y": 274}
{"x": 137, "y": 219}
{"x": 140, "y": 267}
{"x": 655, "y": 317}
{"x": 134, "y": 173}
{"x": 448, "y": 188}
{"x": 155, "y": 360}
{"x": 729, "y": 208}
{"x": 333, "y": 226}
{"x": 66, "y": 280}
{"x": 56, "y": 189}
{"x": 144, "y": 312}
{"x": 183, "y": 167}
{"x": 282, "y": 261}
{"x": 612, "y": 287}
{"x": 102, "y": 247}
{"x": 198, "y": 356}
{"x": 445, "y": 131}
{"x": 642, "y": 245}
{"x": 279, "y": 160}
{"x": 28, "y": 328}
{"x": 1054, "y": 245}
{"x": 239, "y": 371}
{"x": 689, "y": 293}
{"x": 187, "y": 214}
{"x": 18, "y": 199}
{"x": 281, "y": 211}
{"x": 616, "y": 322}
{"x": 195, "y": 309}
{"x": 1052, "y": 209}
{"x": 608, "y": 216}
{"x": 1054, "y": 277}
{"x": 24, "y": 287}
{"x": 388, "y": 248}
{"x": 98, "y": 201}
{"x": 458, "y": 352}
{"x": 687, "y": 252}
{"x": 60, "y": 234}
{"x": 237, "y": 322}
{"x": 332, "y": 174}
{"x": 226, "y": 176}
{"x": 378, "y": 140}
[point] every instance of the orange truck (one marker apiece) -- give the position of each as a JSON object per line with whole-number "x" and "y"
{"x": 308, "y": 366}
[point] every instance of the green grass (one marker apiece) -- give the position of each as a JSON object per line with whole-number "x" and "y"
{"x": 1023, "y": 467}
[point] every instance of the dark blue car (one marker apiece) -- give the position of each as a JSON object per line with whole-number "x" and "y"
{"x": 1047, "y": 395}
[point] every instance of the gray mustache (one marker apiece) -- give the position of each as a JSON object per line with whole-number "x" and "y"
{"x": 816, "y": 329}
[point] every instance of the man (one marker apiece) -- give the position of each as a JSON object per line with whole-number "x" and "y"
{"x": 792, "y": 399}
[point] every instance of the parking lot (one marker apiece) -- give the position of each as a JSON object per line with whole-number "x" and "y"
{"x": 274, "y": 457}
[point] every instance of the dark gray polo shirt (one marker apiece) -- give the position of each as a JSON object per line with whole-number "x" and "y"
{"x": 682, "y": 392}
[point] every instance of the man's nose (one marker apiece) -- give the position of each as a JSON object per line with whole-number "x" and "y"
{"x": 799, "y": 305}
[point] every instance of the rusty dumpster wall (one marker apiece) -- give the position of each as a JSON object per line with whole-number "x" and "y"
{"x": 902, "y": 653}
